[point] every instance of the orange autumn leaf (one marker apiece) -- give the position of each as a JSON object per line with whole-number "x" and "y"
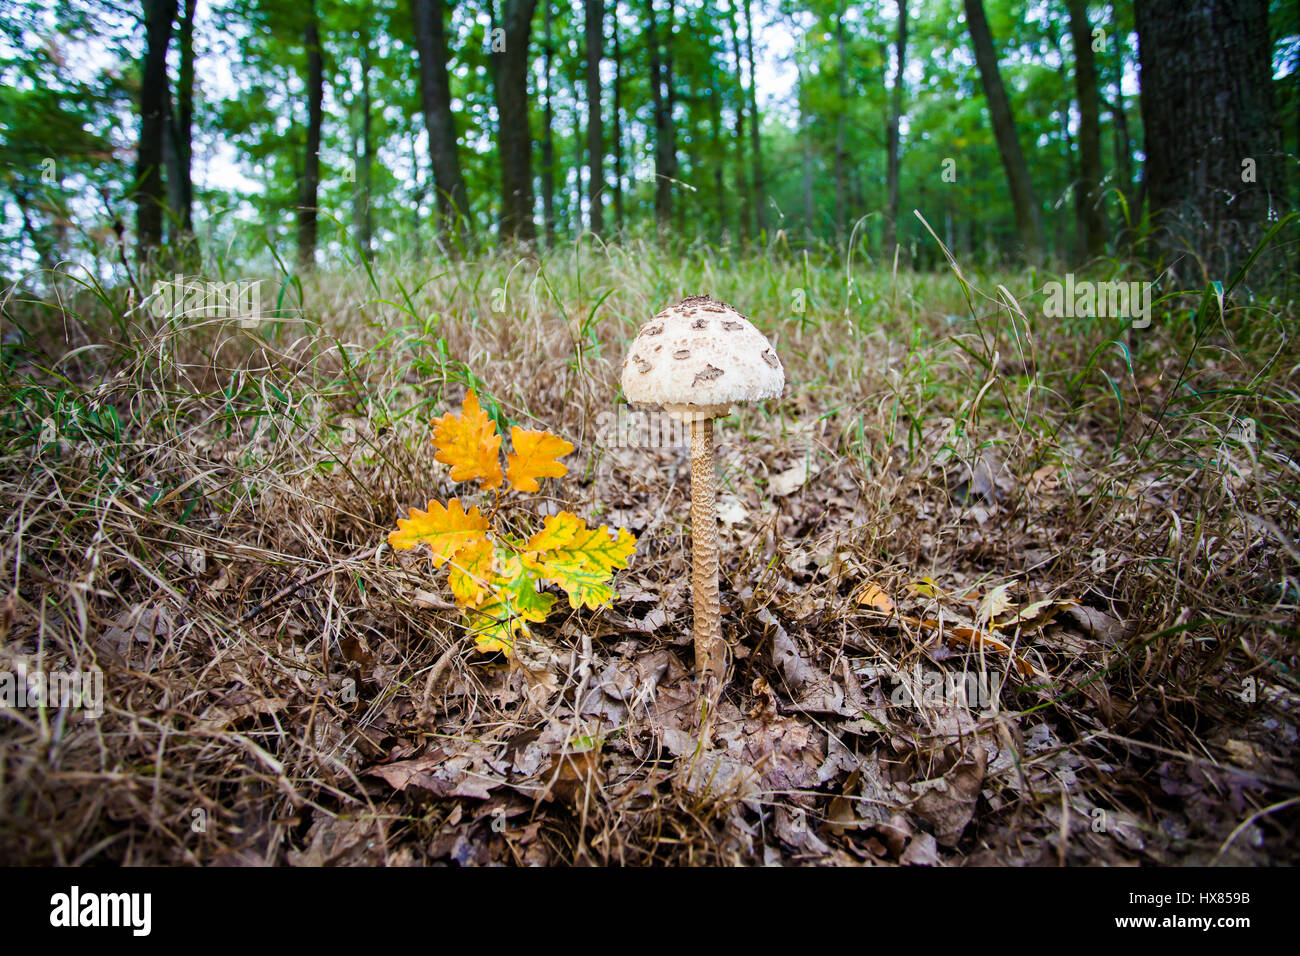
{"x": 470, "y": 443}
{"x": 445, "y": 530}
{"x": 535, "y": 457}
{"x": 974, "y": 638}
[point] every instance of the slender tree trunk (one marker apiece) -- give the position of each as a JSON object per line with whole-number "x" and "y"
{"x": 361, "y": 211}
{"x": 756, "y": 153}
{"x": 548, "y": 129}
{"x": 841, "y": 120}
{"x": 1028, "y": 224}
{"x": 309, "y": 185}
{"x": 1212, "y": 139}
{"x": 718, "y": 152}
{"x": 439, "y": 124}
{"x": 805, "y": 138}
{"x": 665, "y": 151}
{"x": 180, "y": 132}
{"x": 745, "y": 207}
{"x": 158, "y": 17}
{"x": 892, "y": 145}
{"x": 1088, "y": 212}
{"x": 514, "y": 135}
{"x": 618, "y": 125}
{"x": 595, "y": 36}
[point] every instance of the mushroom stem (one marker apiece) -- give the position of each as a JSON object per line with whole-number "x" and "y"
{"x": 710, "y": 650}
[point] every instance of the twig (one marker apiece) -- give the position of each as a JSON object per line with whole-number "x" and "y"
{"x": 284, "y": 592}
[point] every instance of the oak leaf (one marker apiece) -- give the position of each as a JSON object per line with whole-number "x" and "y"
{"x": 470, "y": 443}
{"x": 535, "y": 457}
{"x": 446, "y": 530}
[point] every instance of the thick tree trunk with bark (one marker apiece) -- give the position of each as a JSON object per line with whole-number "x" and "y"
{"x": 158, "y": 17}
{"x": 595, "y": 37}
{"x": 514, "y": 135}
{"x": 439, "y": 124}
{"x": 1028, "y": 225}
{"x": 892, "y": 159}
{"x": 1089, "y": 224}
{"x": 1212, "y": 139}
{"x": 309, "y": 184}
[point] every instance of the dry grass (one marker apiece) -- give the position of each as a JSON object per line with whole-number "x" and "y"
{"x": 164, "y": 479}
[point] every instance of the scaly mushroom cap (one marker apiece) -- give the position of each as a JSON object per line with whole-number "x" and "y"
{"x": 701, "y": 355}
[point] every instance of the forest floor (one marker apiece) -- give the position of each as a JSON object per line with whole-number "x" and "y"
{"x": 1002, "y": 588}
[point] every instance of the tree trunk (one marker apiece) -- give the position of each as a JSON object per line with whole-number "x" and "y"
{"x": 1089, "y": 224}
{"x": 309, "y": 185}
{"x": 514, "y": 135}
{"x": 158, "y": 17}
{"x": 595, "y": 36}
{"x": 180, "y": 132}
{"x": 439, "y": 124}
{"x": 361, "y": 212}
{"x": 756, "y": 153}
{"x": 745, "y": 204}
{"x": 665, "y": 135}
{"x": 892, "y": 158}
{"x": 1028, "y": 225}
{"x": 805, "y": 138}
{"x": 718, "y": 152}
{"x": 548, "y": 129}
{"x": 841, "y": 120}
{"x": 1211, "y": 135}
{"x": 618, "y": 125}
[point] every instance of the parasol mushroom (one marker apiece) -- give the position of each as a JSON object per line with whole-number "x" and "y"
{"x": 696, "y": 359}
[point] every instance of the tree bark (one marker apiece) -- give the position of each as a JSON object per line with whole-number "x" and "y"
{"x": 180, "y": 133}
{"x": 158, "y": 17}
{"x": 1089, "y": 224}
{"x": 1028, "y": 224}
{"x": 756, "y": 152}
{"x": 362, "y": 215}
{"x": 594, "y": 33}
{"x": 1210, "y": 128}
{"x": 841, "y": 155}
{"x": 309, "y": 184}
{"x": 892, "y": 158}
{"x": 514, "y": 134}
{"x": 745, "y": 205}
{"x": 548, "y": 129}
{"x": 439, "y": 124}
{"x": 618, "y": 125}
{"x": 662, "y": 106}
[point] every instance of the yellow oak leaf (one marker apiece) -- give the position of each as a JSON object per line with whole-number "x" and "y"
{"x": 502, "y": 617}
{"x": 579, "y": 559}
{"x": 445, "y": 530}
{"x": 535, "y": 457}
{"x": 471, "y": 571}
{"x": 470, "y": 443}
{"x": 557, "y": 531}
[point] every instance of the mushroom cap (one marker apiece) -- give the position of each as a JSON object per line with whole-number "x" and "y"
{"x": 701, "y": 354}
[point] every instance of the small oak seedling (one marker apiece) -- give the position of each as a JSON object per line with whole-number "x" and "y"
{"x": 496, "y": 577}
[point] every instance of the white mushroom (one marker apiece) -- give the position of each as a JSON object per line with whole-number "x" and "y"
{"x": 695, "y": 359}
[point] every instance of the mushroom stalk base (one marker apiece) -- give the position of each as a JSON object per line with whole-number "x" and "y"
{"x": 710, "y": 649}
